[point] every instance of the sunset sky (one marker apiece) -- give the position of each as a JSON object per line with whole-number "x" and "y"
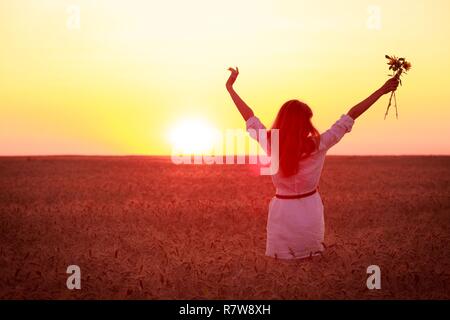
{"x": 123, "y": 80}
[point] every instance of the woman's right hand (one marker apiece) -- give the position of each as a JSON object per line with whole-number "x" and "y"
{"x": 232, "y": 78}
{"x": 390, "y": 85}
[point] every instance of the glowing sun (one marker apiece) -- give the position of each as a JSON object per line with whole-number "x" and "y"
{"x": 193, "y": 136}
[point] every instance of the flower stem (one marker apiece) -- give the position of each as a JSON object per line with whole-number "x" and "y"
{"x": 389, "y": 105}
{"x": 396, "y": 109}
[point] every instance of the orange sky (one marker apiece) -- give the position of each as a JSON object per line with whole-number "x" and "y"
{"x": 133, "y": 70}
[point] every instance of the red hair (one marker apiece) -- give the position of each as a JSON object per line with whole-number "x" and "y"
{"x": 297, "y": 136}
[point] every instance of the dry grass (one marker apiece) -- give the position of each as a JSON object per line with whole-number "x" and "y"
{"x": 144, "y": 228}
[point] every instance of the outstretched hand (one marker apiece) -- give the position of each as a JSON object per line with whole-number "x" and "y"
{"x": 233, "y": 76}
{"x": 390, "y": 85}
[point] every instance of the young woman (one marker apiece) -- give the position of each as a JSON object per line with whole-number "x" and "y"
{"x": 295, "y": 226}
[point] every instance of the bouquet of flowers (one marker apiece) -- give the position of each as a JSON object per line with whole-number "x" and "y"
{"x": 399, "y": 67}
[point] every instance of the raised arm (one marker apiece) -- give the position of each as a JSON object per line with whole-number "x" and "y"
{"x": 360, "y": 108}
{"x": 344, "y": 125}
{"x": 243, "y": 108}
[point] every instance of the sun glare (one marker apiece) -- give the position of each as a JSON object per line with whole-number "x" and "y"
{"x": 193, "y": 136}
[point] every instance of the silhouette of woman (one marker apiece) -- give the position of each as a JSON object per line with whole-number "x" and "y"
{"x": 295, "y": 225}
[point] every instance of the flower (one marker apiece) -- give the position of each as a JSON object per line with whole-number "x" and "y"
{"x": 398, "y": 66}
{"x": 392, "y": 60}
{"x": 407, "y": 65}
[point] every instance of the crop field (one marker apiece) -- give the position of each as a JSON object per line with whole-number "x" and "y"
{"x": 144, "y": 228}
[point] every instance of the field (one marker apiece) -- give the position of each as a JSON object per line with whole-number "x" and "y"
{"x": 144, "y": 228}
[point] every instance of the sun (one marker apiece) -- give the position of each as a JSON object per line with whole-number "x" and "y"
{"x": 193, "y": 137}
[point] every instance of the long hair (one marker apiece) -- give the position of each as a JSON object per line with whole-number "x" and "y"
{"x": 297, "y": 136}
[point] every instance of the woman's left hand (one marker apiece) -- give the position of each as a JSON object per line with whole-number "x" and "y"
{"x": 233, "y": 76}
{"x": 390, "y": 85}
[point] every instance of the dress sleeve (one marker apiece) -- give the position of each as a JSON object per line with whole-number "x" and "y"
{"x": 333, "y": 135}
{"x": 254, "y": 126}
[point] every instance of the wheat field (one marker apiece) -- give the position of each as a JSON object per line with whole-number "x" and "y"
{"x": 144, "y": 228}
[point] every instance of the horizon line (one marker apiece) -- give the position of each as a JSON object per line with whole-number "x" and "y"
{"x": 224, "y": 155}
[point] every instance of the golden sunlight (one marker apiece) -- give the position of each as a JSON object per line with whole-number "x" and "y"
{"x": 193, "y": 136}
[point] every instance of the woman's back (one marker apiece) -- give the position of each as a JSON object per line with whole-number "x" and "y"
{"x": 307, "y": 178}
{"x": 310, "y": 168}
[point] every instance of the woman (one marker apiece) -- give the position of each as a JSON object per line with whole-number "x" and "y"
{"x": 295, "y": 226}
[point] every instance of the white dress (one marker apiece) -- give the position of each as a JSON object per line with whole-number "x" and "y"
{"x": 295, "y": 228}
